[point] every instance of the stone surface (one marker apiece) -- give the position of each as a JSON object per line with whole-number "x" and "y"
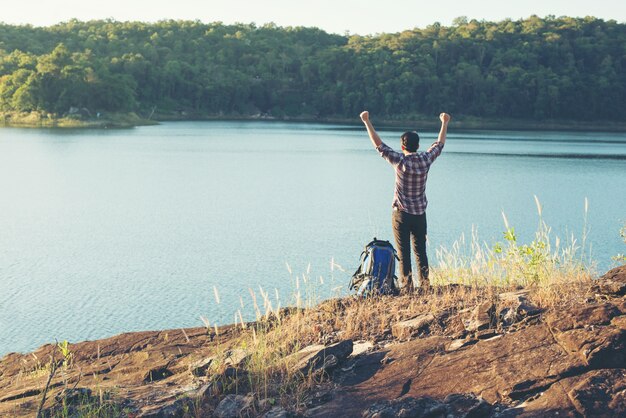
{"x": 581, "y": 316}
{"x": 514, "y": 307}
{"x": 157, "y": 373}
{"x": 119, "y": 365}
{"x": 236, "y": 357}
{"x": 407, "y": 329}
{"x": 485, "y": 334}
{"x": 596, "y": 393}
{"x": 200, "y": 368}
{"x": 467, "y": 405}
{"x": 361, "y": 347}
{"x": 172, "y": 409}
{"x": 455, "y": 405}
{"x": 312, "y": 358}
{"x": 600, "y": 393}
{"x": 613, "y": 282}
{"x": 454, "y": 327}
{"x": 276, "y": 412}
{"x": 604, "y": 346}
{"x": 482, "y": 317}
{"x": 319, "y": 397}
{"x": 234, "y": 406}
{"x": 460, "y": 343}
{"x": 518, "y": 296}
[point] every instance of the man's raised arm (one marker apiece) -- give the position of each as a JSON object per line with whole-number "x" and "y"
{"x": 365, "y": 117}
{"x": 445, "y": 118}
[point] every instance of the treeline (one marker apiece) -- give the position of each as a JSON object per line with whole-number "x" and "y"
{"x": 537, "y": 68}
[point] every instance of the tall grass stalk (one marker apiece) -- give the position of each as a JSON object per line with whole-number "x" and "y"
{"x": 545, "y": 261}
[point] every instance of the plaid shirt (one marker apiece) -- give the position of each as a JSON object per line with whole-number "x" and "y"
{"x": 411, "y": 172}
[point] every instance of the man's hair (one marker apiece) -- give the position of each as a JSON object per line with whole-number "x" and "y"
{"x": 410, "y": 141}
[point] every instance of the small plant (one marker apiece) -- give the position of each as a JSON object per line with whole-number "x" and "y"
{"x": 64, "y": 348}
{"x": 543, "y": 262}
{"x": 621, "y": 257}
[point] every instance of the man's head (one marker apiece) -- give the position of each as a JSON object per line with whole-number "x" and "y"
{"x": 410, "y": 141}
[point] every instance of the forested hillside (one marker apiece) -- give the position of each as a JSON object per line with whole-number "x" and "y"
{"x": 537, "y": 68}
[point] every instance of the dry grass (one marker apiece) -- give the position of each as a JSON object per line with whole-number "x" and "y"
{"x": 555, "y": 271}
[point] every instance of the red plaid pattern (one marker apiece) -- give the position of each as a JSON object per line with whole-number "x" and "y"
{"x": 411, "y": 172}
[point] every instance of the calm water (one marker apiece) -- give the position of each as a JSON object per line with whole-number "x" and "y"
{"x": 103, "y": 232}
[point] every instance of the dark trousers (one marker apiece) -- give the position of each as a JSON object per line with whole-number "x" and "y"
{"x": 407, "y": 227}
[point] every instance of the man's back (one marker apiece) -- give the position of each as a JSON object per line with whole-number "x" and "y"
{"x": 411, "y": 175}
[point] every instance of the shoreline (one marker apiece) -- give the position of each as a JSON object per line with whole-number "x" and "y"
{"x": 461, "y": 123}
{"x": 36, "y": 120}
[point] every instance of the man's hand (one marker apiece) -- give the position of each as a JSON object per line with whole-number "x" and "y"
{"x": 365, "y": 116}
{"x": 445, "y": 118}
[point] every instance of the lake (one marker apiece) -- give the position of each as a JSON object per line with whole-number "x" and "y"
{"x": 108, "y": 231}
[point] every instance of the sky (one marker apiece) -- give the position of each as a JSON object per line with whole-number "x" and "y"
{"x": 336, "y": 16}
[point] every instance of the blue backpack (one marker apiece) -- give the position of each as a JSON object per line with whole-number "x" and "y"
{"x": 376, "y": 274}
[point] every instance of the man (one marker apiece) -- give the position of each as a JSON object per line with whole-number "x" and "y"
{"x": 409, "y": 200}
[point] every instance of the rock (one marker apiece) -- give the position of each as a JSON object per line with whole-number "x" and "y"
{"x": 317, "y": 412}
{"x": 527, "y": 309}
{"x": 312, "y": 358}
{"x": 454, "y": 405}
{"x": 383, "y": 337}
{"x": 200, "y": 368}
{"x": 407, "y": 408}
{"x": 319, "y": 397}
{"x": 619, "y": 322}
{"x": 494, "y": 369}
{"x": 597, "y": 393}
{"x": 467, "y": 406}
{"x": 486, "y": 334}
{"x": 514, "y": 297}
{"x": 613, "y": 282}
{"x": 455, "y": 327}
{"x": 172, "y": 409}
{"x": 581, "y": 316}
{"x": 361, "y": 347}
{"x": 481, "y": 317}
{"x": 330, "y": 362}
{"x": 276, "y": 412}
{"x": 206, "y": 391}
{"x": 406, "y": 329}
{"x": 234, "y": 406}
{"x": 601, "y": 393}
{"x": 233, "y": 372}
{"x": 602, "y": 347}
{"x": 460, "y": 343}
{"x": 387, "y": 360}
{"x": 508, "y": 316}
{"x": 379, "y": 411}
{"x": 157, "y": 373}
{"x": 516, "y": 306}
{"x": 236, "y": 357}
